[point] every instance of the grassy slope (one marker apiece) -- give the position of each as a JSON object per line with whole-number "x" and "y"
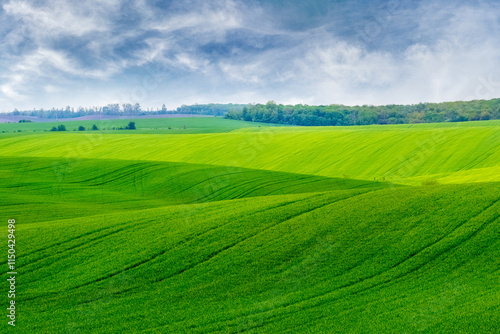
{"x": 401, "y": 154}
{"x": 261, "y": 253}
{"x": 402, "y": 259}
{"x": 39, "y": 189}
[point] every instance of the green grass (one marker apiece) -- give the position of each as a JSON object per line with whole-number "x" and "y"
{"x": 400, "y": 154}
{"x": 72, "y": 188}
{"x": 345, "y": 261}
{"x": 256, "y": 230}
{"x": 183, "y": 125}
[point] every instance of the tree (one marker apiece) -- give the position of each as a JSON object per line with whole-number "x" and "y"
{"x": 111, "y": 109}
{"x": 136, "y": 109}
{"x": 94, "y": 127}
{"x": 127, "y": 108}
{"x": 81, "y": 128}
{"x": 53, "y": 129}
{"x": 485, "y": 115}
{"x": 130, "y": 126}
{"x": 61, "y": 127}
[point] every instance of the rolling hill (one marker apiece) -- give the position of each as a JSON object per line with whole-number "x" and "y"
{"x": 73, "y": 188}
{"x": 373, "y": 229}
{"x": 325, "y": 262}
{"x": 400, "y": 154}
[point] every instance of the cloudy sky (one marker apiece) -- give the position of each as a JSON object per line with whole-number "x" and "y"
{"x": 55, "y": 53}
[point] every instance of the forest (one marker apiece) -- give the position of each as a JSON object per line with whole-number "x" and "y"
{"x": 336, "y": 114}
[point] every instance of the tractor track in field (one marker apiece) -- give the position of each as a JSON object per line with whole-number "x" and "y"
{"x": 68, "y": 240}
{"x": 477, "y": 160}
{"x": 184, "y": 241}
{"x": 391, "y": 280}
{"x": 122, "y": 172}
{"x": 225, "y": 189}
{"x": 192, "y": 237}
{"x": 240, "y": 241}
{"x": 357, "y": 264}
{"x": 271, "y": 183}
{"x": 208, "y": 179}
{"x": 85, "y": 243}
{"x": 216, "y": 253}
{"x": 85, "y": 235}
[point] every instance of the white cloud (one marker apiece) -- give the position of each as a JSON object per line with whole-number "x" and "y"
{"x": 55, "y": 17}
{"x": 453, "y": 61}
{"x": 451, "y": 54}
{"x": 205, "y": 19}
{"x": 10, "y": 88}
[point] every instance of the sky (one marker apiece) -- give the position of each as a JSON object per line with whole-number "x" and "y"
{"x": 55, "y": 53}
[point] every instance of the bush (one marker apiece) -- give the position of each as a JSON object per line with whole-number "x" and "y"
{"x": 61, "y": 127}
{"x": 81, "y": 128}
{"x": 430, "y": 182}
{"x": 94, "y": 127}
{"x": 130, "y": 126}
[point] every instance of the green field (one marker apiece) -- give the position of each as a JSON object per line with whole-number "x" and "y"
{"x": 144, "y": 125}
{"x": 399, "y": 154}
{"x": 230, "y": 228}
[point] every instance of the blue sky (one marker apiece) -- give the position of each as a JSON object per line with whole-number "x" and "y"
{"x": 56, "y": 53}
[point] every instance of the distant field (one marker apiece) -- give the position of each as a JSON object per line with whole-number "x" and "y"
{"x": 144, "y": 125}
{"x": 15, "y": 118}
{"x": 228, "y": 227}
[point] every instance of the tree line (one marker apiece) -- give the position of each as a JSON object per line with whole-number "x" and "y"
{"x": 128, "y": 109}
{"x": 300, "y": 114}
{"x": 335, "y": 114}
{"x": 116, "y": 109}
{"x": 215, "y": 109}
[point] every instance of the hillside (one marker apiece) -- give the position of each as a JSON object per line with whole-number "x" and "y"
{"x": 289, "y": 263}
{"x": 399, "y": 154}
{"x": 369, "y": 229}
{"x": 74, "y": 188}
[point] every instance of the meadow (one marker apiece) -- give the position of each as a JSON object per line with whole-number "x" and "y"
{"x": 406, "y": 154}
{"x": 240, "y": 227}
{"x": 184, "y": 125}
